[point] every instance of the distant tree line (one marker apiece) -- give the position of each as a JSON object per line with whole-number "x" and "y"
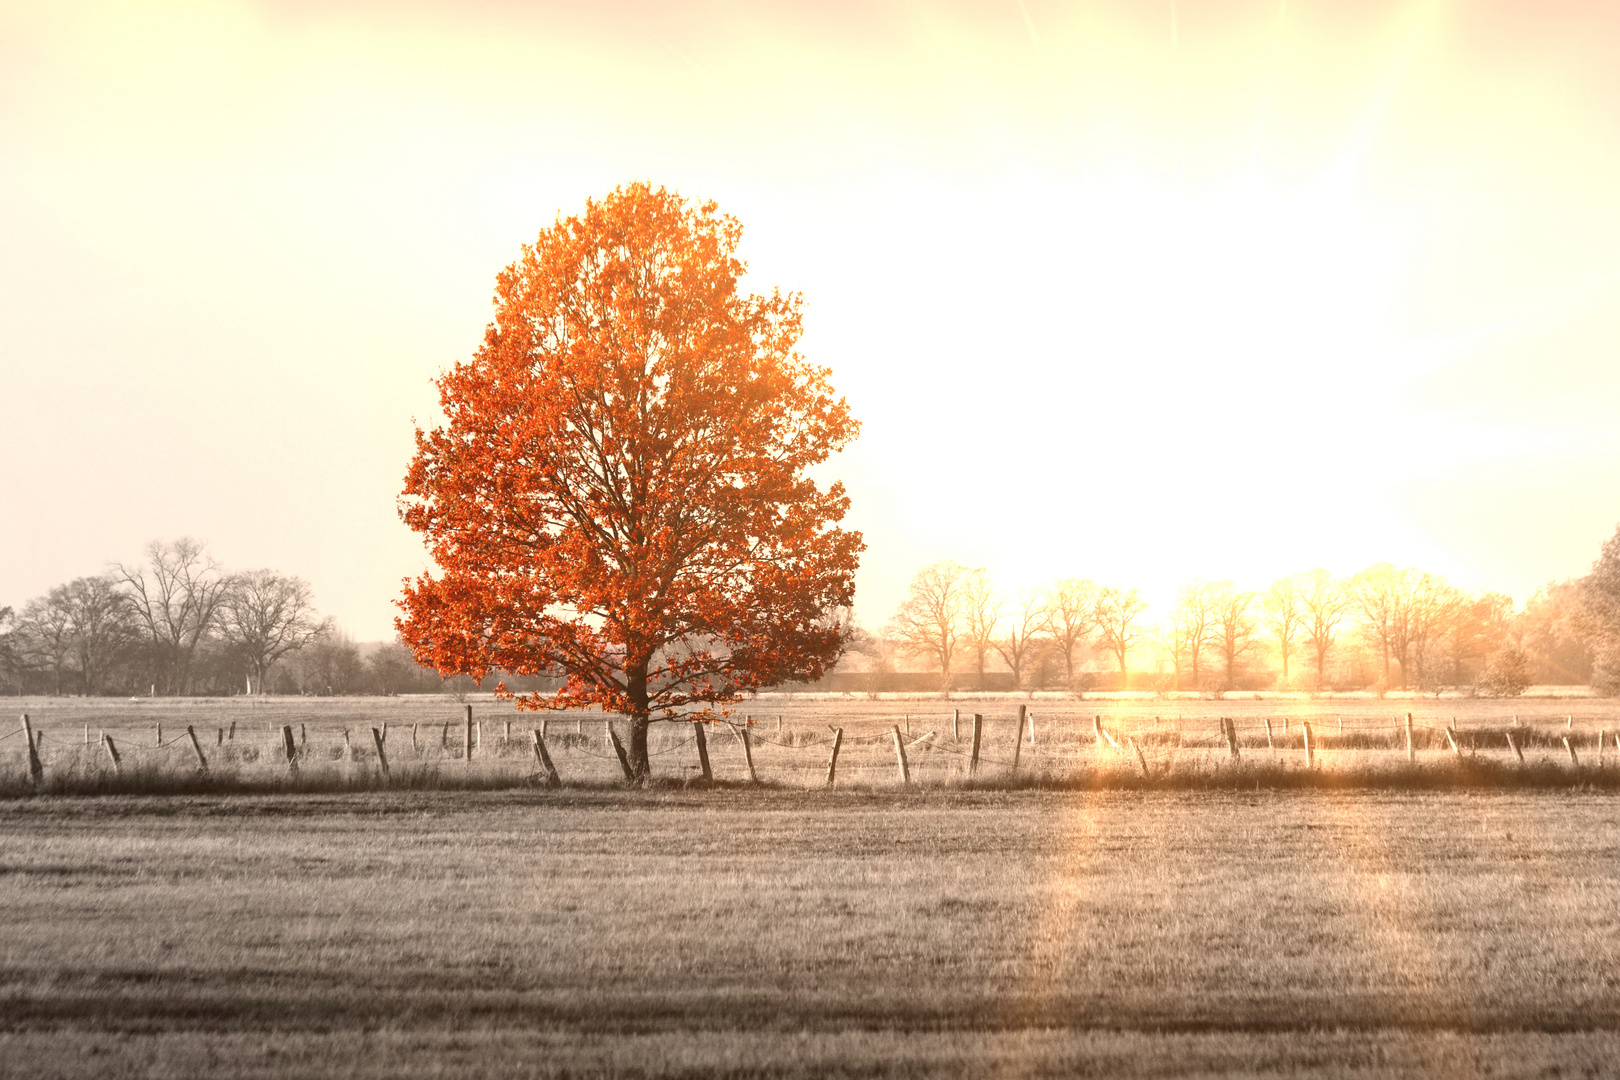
{"x": 177, "y": 623}
{"x": 1384, "y": 628}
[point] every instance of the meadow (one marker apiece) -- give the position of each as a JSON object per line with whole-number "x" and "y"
{"x": 1364, "y": 916}
{"x": 772, "y": 932}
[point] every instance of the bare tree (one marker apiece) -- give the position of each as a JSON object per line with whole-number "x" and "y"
{"x": 1193, "y": 627}
{"x": 1117, "y": 613}
{"x": 1379, "y": 594}
{"x": 267, "y": 615}
{"x": 10, "y": 658}
{"x": 1024, "y": 635}
{"x": 102, "y": 626}
{"x": 176, "y": 598}
{"x": 1325, "y": 603}
{"x": 1283, "y": 611}
{"x": 1234, "y": 626}
{"x": 1070, "y": 607}
{"x": 981, "y": 616}
{"x": 929, "y": 621}
{"x": 47, "y": 635}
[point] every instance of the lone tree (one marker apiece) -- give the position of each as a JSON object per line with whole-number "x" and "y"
{"x": 618, "y": 493}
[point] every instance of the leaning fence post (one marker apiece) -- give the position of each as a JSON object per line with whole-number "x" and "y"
{"x": 545, "y": 760}
{"x": 292, "y": 751}
{"x": 618, "y": 751}
{"x": 978, "y": 731}
{"x": 703, "y": 750}
{"x": 1452, "y": 739}
{"x": 1310, "y": 756}
{"x": 112, "y": 752}
{"x": 832, "y": 762}
{"x": 1141, "y": 759}
{"x": 900, "y": 755}
{"x": 382, "y": 755}
{"x": 1513, "y": 744}
{"x": 748, "y": 756}
{"x": 36, "y": 770}
{"x": 1410, "y": 756}
{"x": 1573, "y": 760}
{"x": 202, "y": 762}
{"x": 1096, "y": 728}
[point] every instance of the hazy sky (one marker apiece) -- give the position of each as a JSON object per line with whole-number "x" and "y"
{"x": 1128, "y": 290}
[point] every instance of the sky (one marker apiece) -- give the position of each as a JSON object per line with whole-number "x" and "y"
{"x": 1135, "y": 291}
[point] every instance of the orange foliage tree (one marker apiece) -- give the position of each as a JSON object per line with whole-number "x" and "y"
{"x": 618, "y": 495}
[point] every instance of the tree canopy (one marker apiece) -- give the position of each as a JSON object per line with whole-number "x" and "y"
{"x": 618, "y": 493}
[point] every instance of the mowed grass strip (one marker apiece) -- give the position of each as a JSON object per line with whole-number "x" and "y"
{"x": 760, "y": 933}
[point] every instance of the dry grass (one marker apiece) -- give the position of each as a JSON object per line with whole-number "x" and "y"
{"x": 785, "y": 933}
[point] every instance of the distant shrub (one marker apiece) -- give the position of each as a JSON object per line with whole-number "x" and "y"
{"x": 1507, "y": 672}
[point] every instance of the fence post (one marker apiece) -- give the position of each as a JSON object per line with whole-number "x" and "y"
{"x": 1018, "y": 738}
{"x": 1452, "y": 739}
{"x": 292, "y": 751}
{"x": 469, "y": 737}
{"x": 900, "y": 755}
{"x": 832, "y": 762}
{"x": 703, "y": 750}
{"x": 415, "y": 749}
{"x": 1096, "y": 728}
{"x": 36, "y": 769}
{"x": 545, "y": 760}
{"x": 1573, "y": 760}
{"x": 219, "y": 740}
{"x": 508, "y": 736}
{"x": 382, "y": 755}
{"x": 385, "y": 731}
{"x": 479, "y": 728}
{"x": 159, "y": 733}
{"x": 1310, "y": 755}
{"x": 112, "y": 752}
{"x": 748, "y": 756}
{"x": 348, "y": 747}
{"x": 1229, "y": 729}
{"x": 1410, "y": 756}
{"x": 1269, "y": 744}
{"x": 231, "y": 737}
{"x": 1141, "y": 759}
{"x": 303, "y": 735}
{"x": 202, "y": 762}
{"x": 1513, "y": 744}
{"x": 444, "y": 736}
{"x": 618, "y": 751}
{"x": 978, "y": 730}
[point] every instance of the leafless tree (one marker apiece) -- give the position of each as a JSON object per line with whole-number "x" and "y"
{"x": 1070, "y": 608}
{"x": 176, "y": 598}
{"x": 1194, "y": 626}
{"x": 102, "y": 626}
{"x": 981, "y": 616}
{"x": 1024, "y": 633}
{"x": 1379, "y": 594}
{"x": 47, "y": 635}
{"x": 265, "y": 616}
{"x": 1234, "y": 626}
{"x": 929, "y": 621}
{"x": 1325, "y": 603}
{"x": 1283, "y": 611}
{"x": 1118, "y": 612}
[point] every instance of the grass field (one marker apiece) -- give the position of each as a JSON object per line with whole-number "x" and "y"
{"x": 1356, "y": 742}
{"x": 774, "y": 932}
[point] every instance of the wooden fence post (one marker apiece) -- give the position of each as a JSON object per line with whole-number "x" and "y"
{"x": 1310, "y": 755}
{"x": 900, "y": 755}
{"x": 545, "y": 760}
{"x": 1452, "y": 739}
{"x": 508, "y": 736}
{"x": 1410, "y": 756}
{"x": 1023, "y": 715}
{"x": 382, "y": 755}
{"x": 748, "y": 756}
{"x": 444, "y": 736}
{"x": 36, "y": 768}
{"x": 1096, "y": 728}
{"x": 1513, "y": 744}
{"x": 159, "y": 733}
{"x": 292, "y": 751}
{"x": 703, "y": 750}
{"x": 112, "y": 752}
{"x": 618, "y": 751}
{"x": 832, "y": 762}
{"x": 468, "y": 740}
{"x": 1141, "y": 759}
{"x": 1573, "y": 760}
{"x": 202, "y": 762}
{"x": 956, "y": 725}
{"x": 219, "y": 740}
{"x": 1018, "y": 738}
{"x": 978, "y": 730}
{"x": 231, "y": 736}
{"x": 479, "y": 728}
{"x": 1269, "y": 744}
{"x": 1229, "y": 729}
{"x": 415, "y": 749}
{"x": 303, "y": 735}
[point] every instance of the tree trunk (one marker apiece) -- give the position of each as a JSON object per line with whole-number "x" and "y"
{"x": 639, "y": 719}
